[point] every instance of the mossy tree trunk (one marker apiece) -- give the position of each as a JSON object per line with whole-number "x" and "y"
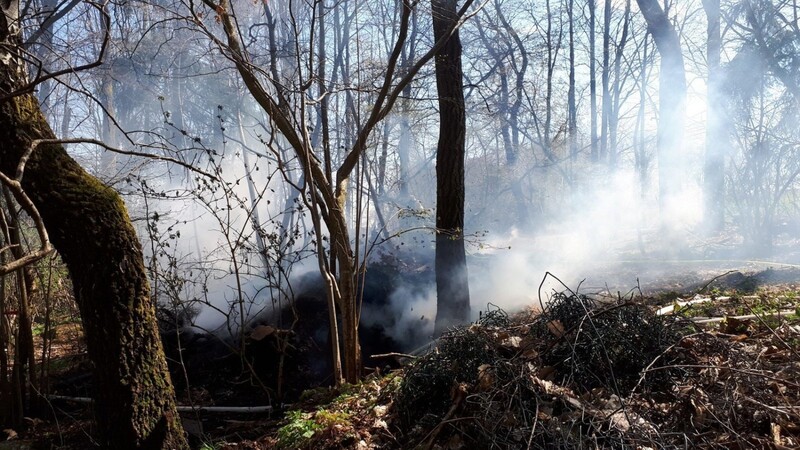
{"x": 90, "y": 227}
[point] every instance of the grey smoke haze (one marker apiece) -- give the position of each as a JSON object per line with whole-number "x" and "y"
{"x": 582, "y": 233}
{"x": 583, "y": 217}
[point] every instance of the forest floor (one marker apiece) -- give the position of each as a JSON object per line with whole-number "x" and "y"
{"x": 707, "y": 358}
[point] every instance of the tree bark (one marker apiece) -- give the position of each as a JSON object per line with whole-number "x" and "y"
{"x": 90, "y": 227}
{"x": 452, "y": 287}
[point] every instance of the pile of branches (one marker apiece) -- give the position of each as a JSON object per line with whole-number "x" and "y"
{"x": 740, "y": 391}
{"x": 592, "y": 344}
{"x": 605, "y": 374}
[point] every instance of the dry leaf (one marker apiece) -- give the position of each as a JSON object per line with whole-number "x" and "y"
{"x": 380, "y": 410}
{"x": 619, "y": 420}
{"x": 771, "y": 349}
{"x": 454, "y": 443}
{"x": 485, "y": 377}
{"x": 261, "y": 331}
{"x": 530, "y": 353}
{"x": 775, "y": 431}
{"x": 732, "y": 325}
{"x": 512, "y": 341}
{"x": 556, "y": 328}
{"x": 777, "y": 388}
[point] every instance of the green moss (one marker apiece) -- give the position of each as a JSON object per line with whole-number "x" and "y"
{"x": 27, "y": 109}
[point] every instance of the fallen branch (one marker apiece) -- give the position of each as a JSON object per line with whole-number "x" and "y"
{"x": 788, "y": 411}
{"x": 181, "y": 408}
{"x": 394, "y": 355}
{"x": 669, "y": 309}
{"x": 703, "y": 320}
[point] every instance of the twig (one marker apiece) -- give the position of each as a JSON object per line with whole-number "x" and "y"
{"x": 393, "y": 355}
{"x": 761, "y": 319}
{"x": 758, "y": 373}
{"x": 789, "y": 411}
{"x": 112, "y": 149}
{"x": 460, "y": 394}
{"x": 713, "y": 280}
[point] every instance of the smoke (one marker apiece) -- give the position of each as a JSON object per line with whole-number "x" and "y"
{"x": 583, "y": 220}
{"x": 408, "y": 318}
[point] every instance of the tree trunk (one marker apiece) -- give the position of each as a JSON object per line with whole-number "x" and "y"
{"x": 671, "y": 99}
{"x": 88, "y": 224}
{"x": 405, "y": 143}
{"x": 641, "y": 158}
{"x": 716, "y": 134}
{"x": 452, "y": 287}
{"x": 349, "y": 312}
{"x": 572, "y": 110}
{"x": 42, "y": 47}
{"x": 605, "y": 114}
{"x": 6, "y": 401}
{"x": 613, "y": 119}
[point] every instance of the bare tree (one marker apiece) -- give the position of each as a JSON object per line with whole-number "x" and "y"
{"x": 326, "y": 198}
{"x": 605, "y": 79}
{"x": 572, "y": 109}
{"x": 616, "y": 88}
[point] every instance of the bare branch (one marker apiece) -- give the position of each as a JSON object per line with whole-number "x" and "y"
{"x": 37, "y": 142}
{"x": 29, "y": 87}
{"x": 391, "y": 93}
{"x": 25, "y": 202}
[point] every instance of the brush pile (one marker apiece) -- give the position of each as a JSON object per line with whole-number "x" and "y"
{"x": 586, "y": 373}
{"x": 713, "y": 370}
